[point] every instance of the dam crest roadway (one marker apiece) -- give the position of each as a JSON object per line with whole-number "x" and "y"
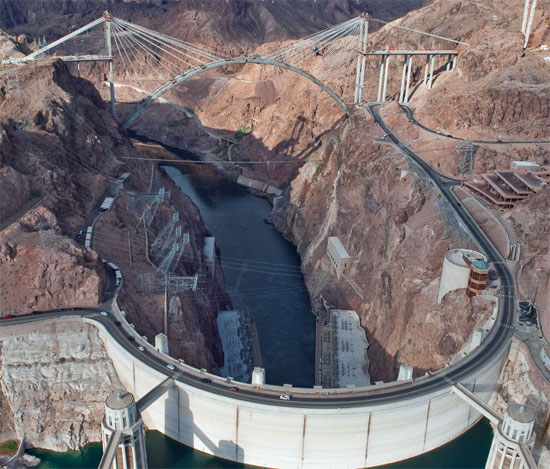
{"x": 318, "y": 428}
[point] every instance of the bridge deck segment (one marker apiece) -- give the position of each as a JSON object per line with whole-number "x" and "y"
{"x": 154, "y": 394}
{"x": 484, "y": 409}
{"x": 110, "y": 452}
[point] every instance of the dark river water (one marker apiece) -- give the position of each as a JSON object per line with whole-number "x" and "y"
{"x": 262, "y": 273}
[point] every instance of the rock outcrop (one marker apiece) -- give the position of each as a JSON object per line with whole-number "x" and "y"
{"x": 53, "y": 384}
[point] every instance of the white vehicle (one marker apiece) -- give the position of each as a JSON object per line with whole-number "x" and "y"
{"x": 107, "y": 203}
{"x": 285, "y": 397}
{"x": 132, "y": 325}
{"x": 141, "y": 348}
{"x": 170, "y": 367}
{"x": 104, "y": 313}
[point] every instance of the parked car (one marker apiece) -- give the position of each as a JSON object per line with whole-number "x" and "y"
{"x": 104, "y": 313}
{"x": 285, "y": 397}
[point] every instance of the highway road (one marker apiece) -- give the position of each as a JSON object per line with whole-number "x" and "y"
{"x": 410, "y": 115}
{"x": 497, "y": 341}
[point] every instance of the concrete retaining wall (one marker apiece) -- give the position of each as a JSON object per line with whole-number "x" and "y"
{"x": 290, "y": 437}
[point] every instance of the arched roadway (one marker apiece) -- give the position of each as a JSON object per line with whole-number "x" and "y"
{"x": 221, "y": 63}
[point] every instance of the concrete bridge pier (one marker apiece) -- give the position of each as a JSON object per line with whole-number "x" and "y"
{"x": 426, "y": 66}
{"x": 108, "y": 44}
{"x": 382, "y": 60}
{"x": 405, "y": 82}
{"x": 403, "y": 74}
{"x": 409, "y": 67}
{"x": 383, "y": 81}
{"x": 361, "y": 59}
{"x": 430, "y": 79}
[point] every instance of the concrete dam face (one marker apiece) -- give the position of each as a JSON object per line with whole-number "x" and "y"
{"x": 350, "y": 432}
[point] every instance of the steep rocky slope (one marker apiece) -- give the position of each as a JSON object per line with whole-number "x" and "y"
{"x": 62, "y": 152}
{"x": 233, "y": 23}
{"x": 359, "y": 189}
{"x": 53, "y": 385}
{"x": 532, "y": 223}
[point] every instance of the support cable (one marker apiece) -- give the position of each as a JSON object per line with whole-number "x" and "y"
{"x": 145, "y": 38}
{"x": 132, "y": 48}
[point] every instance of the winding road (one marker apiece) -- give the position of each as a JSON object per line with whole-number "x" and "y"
{"x": 410, "y": 115}
{"x": 496, "y": 342}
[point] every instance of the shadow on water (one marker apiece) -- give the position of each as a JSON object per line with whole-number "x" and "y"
{"x": 469, "y": 451}
{"x": 262, "y": 274}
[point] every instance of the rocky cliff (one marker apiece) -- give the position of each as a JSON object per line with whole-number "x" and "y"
{"x": 361, "y": 190}
{"x": 233, "y": 23}
{"x": 53, "y": 385}
{"x": 60, "y": 153}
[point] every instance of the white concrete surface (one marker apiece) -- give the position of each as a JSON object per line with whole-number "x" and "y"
{"x": 338, "y": 255}
{"x": 405, "y": 372}
{"x": 300, "y": 437}
{"x": 161, "y": 343}
{"x": 454, "y": 274}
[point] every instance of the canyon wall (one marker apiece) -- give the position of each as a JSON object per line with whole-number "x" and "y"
{"x": 397, "y": 233}
{"x": 60, "y": 154}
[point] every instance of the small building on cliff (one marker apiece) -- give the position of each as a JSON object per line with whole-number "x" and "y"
{"x": 338, "y": 255}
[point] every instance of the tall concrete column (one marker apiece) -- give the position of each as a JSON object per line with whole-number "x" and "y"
{"x": 385, "y": 78}
{"x": 357, "y": 78}
{"x": 109, "y": 46}
{"x": 123, "y": 422}
{"x": 426, "y": 70}
{"x": 361, "y": 59}
{"x": 513, "y": 439}
{"x": 432, "y": 61}
{"x": 529, "y": 23}
{"x": 525, "y": 13}
{"x": 403, "y": 74}
{"x": 381, "y": 78}
{"x": 409, "y": 67}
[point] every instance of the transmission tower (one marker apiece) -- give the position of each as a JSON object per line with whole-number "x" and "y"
{"x": 165, "y": 264}
{"x": 146, "y": 204}
{"x": 163, "y": 239}
{"x": 467, "y": 150}
{"x": 177, "y": 284}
